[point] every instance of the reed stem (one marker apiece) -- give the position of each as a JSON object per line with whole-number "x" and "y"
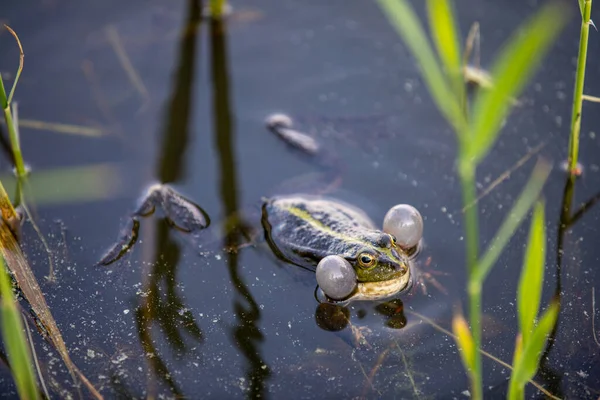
{"x": 467, "y": 178}
{"x": 579, "y": 82}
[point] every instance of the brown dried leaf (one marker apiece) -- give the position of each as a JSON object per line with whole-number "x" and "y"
{"x": 18, "y": 266}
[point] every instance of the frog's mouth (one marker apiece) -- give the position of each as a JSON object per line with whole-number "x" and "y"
{"x": 382, "y": 289}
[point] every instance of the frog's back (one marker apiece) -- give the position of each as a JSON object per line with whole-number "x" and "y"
{"x": 303, "y": 229}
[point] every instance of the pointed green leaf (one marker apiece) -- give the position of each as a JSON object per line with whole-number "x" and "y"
{"x": 528, "y": 196}
{"x": 527, "y": 365}
{"x": 442, "y": 25}
{"x": 581, "y": 7}
{"x": 532, "y": 275}
{"x": 512, "y": 70}
{"x": 3, "y": 99}
{"x": 464, "y": 340}
{"x": 405, "y": 21}
{"x": 15, "y": 341}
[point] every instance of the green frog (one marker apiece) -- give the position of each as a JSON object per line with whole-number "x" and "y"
{"x": 303, "y": 229}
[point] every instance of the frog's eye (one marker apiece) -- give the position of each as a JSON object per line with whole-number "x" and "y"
{"x": 366, "y": 260}
{"x": 393, "y": 240}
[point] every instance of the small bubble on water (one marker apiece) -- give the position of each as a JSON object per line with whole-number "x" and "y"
{"x": 125, "y": 312}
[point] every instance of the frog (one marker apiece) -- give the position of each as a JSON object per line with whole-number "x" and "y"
{"x": 300, "y": 228}
{"x": 303, "y": 229}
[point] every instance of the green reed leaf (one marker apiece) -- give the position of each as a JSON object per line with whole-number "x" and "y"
{"x": 464, "y": 340}
{"x": 529, "y": 292}
{"x": 3, "y": 99}
{"x": 442, "y": 25}
{"x": 512, "y": 70}
{"x": 526, "y": 365}
{"x": 405, "y": 21}
{"x": 15, "y": 341}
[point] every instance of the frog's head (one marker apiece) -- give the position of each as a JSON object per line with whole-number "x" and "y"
{"x": 379, "y": 259}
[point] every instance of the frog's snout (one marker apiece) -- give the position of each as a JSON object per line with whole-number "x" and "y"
{"x": 402, "y": 263}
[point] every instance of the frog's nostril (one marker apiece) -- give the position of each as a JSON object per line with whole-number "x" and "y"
{"x": 386, "y": 241}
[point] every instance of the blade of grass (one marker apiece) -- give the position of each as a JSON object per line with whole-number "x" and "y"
{"x": 527, "y": 364}
{"x": 529, "y": 292}
{"x": 513, "y": 219}
{"x": 445, "y": 37}
{"x": 21, "y": 59}
{"x": 402, "y": 17}
{"x": 3, "y": 99}
{"x": 14, "y": 140}
{"x": 493, "y": 358}
{"x": 12, "y": 131}
{"x": 464, "y": 341}
{"x": 15, "y": 341}
{"x": 512, "y": 70}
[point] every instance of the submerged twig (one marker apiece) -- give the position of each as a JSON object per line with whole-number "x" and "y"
{"x": 98, "y": 94}
{"x": 32, "y": 292}
{"x": 367, "y": 380}
{"x": 40, "y": 235}
{"x": 410, "y": 375}
{"x": 377, "y": 366}
{"x": 593, "y": 99}
{"x": 134, "y": 77}
{"x": 35, "y": 358}
{"x": 57, "y": 127}
{"x": 505, "y": 175}
{"x": 483, "y": 352}
{"x": 594, "y": 317}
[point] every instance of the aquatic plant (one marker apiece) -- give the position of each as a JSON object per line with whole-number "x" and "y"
{"x": 585, "y": 7}
{"x": 13, "y": 260}
{"x": 477, "y": 125}
{"x": 15, "y": 342}
{"x": 13, "y": 334}
{"x": 11, "y": 121}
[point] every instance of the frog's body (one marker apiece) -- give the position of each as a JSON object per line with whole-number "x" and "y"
{"x": 303, "y": 229}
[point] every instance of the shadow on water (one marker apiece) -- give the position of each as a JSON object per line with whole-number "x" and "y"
{"x": 162, "y": 305}
{"x": 246, "y": 333}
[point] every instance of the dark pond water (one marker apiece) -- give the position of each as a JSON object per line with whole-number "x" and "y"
{"x": 181, "y": 101}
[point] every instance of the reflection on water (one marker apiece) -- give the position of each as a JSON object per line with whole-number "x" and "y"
{"x": 162, "y": 306}
{"x": 246, "y": 333}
